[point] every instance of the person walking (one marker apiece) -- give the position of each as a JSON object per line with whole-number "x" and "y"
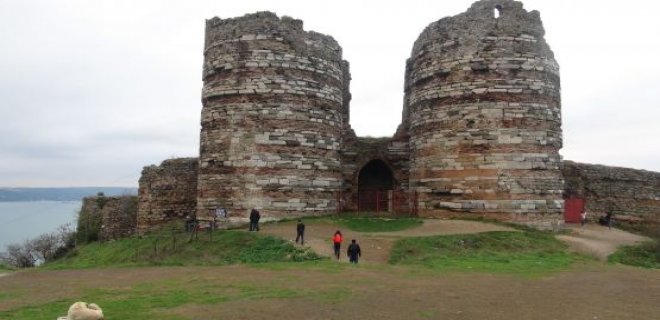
{"x": 608, "y": 219}
{"x": 354, "y": 252}
{"x": 583, "y": 217}
{"x": 254, "y": 219}
{"x": 300, "y": 232}
{"x": 336, "y": 241}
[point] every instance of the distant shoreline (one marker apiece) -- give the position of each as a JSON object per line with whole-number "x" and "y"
{"x": 8, "y": 194}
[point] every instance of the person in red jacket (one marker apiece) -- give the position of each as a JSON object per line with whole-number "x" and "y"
{"x": 336, "y": 241}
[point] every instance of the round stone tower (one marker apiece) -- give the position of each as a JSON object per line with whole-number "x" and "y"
{"x": 482, "y": 108}
{"x": 275, "y": 103}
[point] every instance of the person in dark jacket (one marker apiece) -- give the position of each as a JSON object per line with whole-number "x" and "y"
{"x": 254, "y": 220}
{"x": 354, "y": 252}
{"x": 300, "y": 232}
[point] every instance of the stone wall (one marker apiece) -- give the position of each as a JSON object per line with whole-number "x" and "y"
{"x": 632, "y": 195}
{"x": 275, "y": 106}
{"x": 482, "y": 108}
{"x": 167, "y": 192}
{"x": 359, "y": 151}
{"x": 107, "y": 218}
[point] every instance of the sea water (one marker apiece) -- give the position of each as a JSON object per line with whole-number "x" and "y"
{"x": 20, "y": 221}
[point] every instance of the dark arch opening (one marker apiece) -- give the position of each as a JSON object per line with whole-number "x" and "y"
{"x": 375, "y": 176}
{"x": 375, "y": 181}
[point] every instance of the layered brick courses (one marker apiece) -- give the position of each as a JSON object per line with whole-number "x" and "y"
{"x": 167, "y": 192}
{"x": 633, "y": 196}
{"x": 275, "y": 104}
{"x": 482, "y": 108}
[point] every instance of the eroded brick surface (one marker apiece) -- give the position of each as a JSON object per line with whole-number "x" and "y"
{"x": 167, "y": 192}
{"x": 116, "y": 215}
{"x": 275, "y": 104}
{"x": 482, "y": 108}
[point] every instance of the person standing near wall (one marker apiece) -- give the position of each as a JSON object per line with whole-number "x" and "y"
{"x": 254, "y": 219}
{"x": 336, "y": 241}
{"x": 583, "y": 217}
{"x": 300, "y": 232}
{"x": 354, "y": 252}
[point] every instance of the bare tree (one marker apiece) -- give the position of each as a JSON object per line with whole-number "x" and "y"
{"x": 19, "y": 256}
{"x": 43, "y": 248}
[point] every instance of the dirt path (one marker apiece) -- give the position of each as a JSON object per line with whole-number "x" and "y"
{"x": 376, "y": 246}
{"x": 597, "y": 240}
{"x": 591, "y": 239}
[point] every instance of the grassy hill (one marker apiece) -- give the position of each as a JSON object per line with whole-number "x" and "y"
{"x": 176, "y": 249}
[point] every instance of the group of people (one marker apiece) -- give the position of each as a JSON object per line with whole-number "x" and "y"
{"x": 354, "y": 252}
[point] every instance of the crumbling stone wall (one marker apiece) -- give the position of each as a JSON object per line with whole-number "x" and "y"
{"x": 275, "y": 105}
{"x": 631, "y": 195}
{"x": 107, "y": 218}
{"x": 482, "y": 107}
{"x": 167, "y": 192}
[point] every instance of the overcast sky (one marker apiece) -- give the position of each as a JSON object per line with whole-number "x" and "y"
{"x": 91, "y": 91}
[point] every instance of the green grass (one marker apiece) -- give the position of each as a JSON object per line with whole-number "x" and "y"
{"x": 226, "y": 247}
{"x": 378, "y": 224}
{"x": 153, "y": 300}
{"x": 645, "y": 255}
{"x": 4, "y": 267}
{"x": 498, "y": 251}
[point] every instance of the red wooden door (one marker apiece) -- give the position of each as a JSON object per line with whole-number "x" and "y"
{"x": 572, "y": 209}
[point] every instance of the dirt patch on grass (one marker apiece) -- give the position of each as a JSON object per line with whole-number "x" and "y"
{"x": 376, "y": 246}
{"x": 598, "y": 241}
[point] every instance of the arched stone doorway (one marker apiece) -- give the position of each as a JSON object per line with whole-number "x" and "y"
{"x": 375, "y": 185}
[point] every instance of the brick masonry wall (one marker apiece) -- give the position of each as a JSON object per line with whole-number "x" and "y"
{"x": 117, "y": 215}
{"x": 167, "y": 192}
{"x": 482, "y": 108}
{"x": 631, "y": 195}
{"x": 275, "y": 106}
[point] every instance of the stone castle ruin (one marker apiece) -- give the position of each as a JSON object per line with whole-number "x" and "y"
{"x": 480, "y": 131}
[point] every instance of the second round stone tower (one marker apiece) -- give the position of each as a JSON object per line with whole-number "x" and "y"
{"x": 482, "y": 108}
{"x": 275, "y": 104}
